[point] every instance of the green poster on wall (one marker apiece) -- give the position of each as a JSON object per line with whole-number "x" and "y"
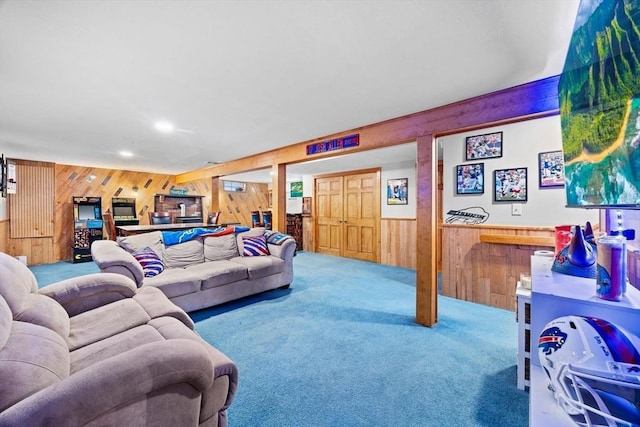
{"x": 296, "y": 189}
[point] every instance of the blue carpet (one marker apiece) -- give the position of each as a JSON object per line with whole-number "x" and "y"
{"x": 341, "y": 348}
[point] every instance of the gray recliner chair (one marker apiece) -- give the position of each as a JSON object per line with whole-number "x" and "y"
{"x": 95, "y": 350}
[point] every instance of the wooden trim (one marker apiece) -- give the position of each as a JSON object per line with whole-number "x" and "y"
{"x": 396, "y": 219}
{"x": 507, "y": 239}
{"x": 351, "y": 172}
{"x": 499, "y": 227}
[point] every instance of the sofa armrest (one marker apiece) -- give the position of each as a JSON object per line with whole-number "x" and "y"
{"x": 285, "y": 251}
{"x": 83, "y": 293}
{"x": 111, "y": 258}
{"x": 111, "y": 384}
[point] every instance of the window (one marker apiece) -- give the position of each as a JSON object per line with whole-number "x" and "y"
{"x": 234, "y": 186}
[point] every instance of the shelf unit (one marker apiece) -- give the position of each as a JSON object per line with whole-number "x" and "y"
{"x": 294, "y": 229}
{"x": 523, "y": 315}
{"x": 171, "y": 203}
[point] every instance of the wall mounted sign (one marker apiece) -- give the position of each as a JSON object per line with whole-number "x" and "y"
{"x": 334, "y": 144}
{"x": 472, "y": 215}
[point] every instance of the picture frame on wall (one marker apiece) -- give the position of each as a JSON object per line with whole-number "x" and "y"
{"x": 510, "y": 185}
{"x": 551, "y": 169}
{"x": 397, "y": 191}
{"x": 470, "y": 178}
{"x": 486, "y": 146}
{"x": 306, "y": 206}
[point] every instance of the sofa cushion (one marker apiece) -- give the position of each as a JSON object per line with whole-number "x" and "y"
{"x": 150, "y": 261}
{"x": 184, "y": 254}
{"x": 217, "y": 273}
{"x": 112, "y": 346}
{"x": 136, "y": 242}
{"x": 32, "y": 358}
{"x": 220, "y": 247}
{"x": 106, "y": 321}
{"x": 261, "y": 266}
{"x": 254, "y": 246}
{"x": 174, "y": 282}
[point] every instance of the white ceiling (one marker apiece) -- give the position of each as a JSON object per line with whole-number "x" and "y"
{"x": 82, "y": 80}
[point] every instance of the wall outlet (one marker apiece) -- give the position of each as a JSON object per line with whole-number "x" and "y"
{"x": 516, "y": 209}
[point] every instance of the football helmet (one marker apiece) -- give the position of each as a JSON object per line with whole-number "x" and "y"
{"x": 593, "y": 367}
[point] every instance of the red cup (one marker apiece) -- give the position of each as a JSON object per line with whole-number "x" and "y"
{"x": 563, "y": 237}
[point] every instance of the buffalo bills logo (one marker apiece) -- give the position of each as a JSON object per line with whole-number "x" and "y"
{"x": 551, "y": 339}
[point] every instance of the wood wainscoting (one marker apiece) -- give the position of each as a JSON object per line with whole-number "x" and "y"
{"x": 4, "y": 235}
{"x": 398, "y": 242}
{"x": 487, "y": 273}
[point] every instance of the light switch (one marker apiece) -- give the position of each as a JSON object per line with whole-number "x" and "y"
{"x": 516, "y": 209}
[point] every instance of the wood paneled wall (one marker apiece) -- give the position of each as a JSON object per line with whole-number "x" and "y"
{"x": 31, "y": 213}
{"x": 4, "y": 235}
{"x": 485, "y": 273}
{"x": 31, "y": 210}
{"x": 72, "y": 180}
{"x": 237, "y": 206}
{"x": 398, "y": 242}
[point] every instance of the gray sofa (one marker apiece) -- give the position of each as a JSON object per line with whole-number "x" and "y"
{"x": 97, "y": 351}
{"x": 204, "y": 271}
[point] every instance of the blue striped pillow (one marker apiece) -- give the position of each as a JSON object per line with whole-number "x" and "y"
{"x": 276, "y": 238}
{"x": 254, "y": 246}
{"x": 150, "y": 261}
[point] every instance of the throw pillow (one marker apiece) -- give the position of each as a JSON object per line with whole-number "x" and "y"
{"x": 276, "y": 238}
{"x": 150, "y": 261}
{"x": 254, "y": 246}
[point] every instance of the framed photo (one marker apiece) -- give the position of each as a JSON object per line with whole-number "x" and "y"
{"x": 397, "y": 191}
{"x": 306, "y": 206}
{"x": 484, "y": 146}
{"x": 510, "y": 185}
{"x": 470, "y": 178}
{"x": 551, "y": 169}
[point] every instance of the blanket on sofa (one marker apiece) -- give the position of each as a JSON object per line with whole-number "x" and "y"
{"x": 175, "y": 237}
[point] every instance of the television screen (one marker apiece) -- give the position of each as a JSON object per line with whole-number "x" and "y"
{"x": 599, "y": 92}
{"x": 86, "y": 212}
{"x": 124, "y": 212}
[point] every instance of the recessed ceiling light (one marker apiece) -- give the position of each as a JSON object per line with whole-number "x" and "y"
{"x": 164, "y": 127}
{"x": 126, "y": 153}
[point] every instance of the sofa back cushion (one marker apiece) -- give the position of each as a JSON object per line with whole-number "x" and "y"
{"x": 134, "y": 243}
{"x": 184, "y": 254}
{"x": 220, "y": 247}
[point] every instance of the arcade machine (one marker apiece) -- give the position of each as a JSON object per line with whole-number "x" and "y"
{"x": 87, "y": 217}
{"x": 124, "y": 211}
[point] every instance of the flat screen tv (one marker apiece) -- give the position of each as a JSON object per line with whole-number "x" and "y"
{"x": 599, "y": 92}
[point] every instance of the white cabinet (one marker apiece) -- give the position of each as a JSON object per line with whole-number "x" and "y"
{"x": 554, "y": 295}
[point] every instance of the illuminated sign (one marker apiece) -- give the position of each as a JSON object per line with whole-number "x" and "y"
{"x": 334, "y": 144}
